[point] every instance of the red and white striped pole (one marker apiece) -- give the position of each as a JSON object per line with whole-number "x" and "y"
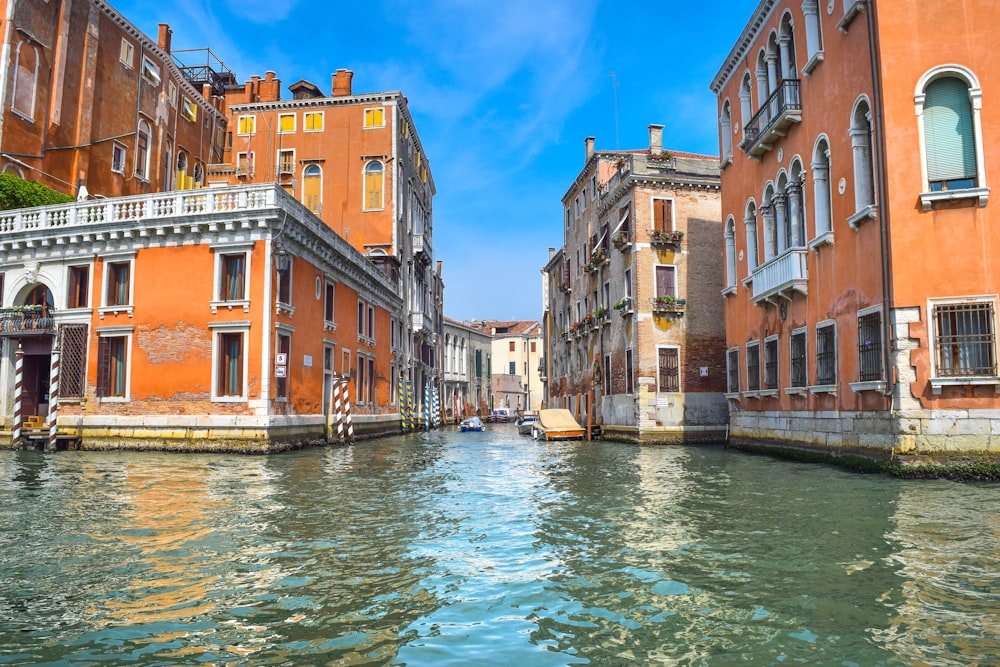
{"x": 54, "y": 396}
{"x": 18, "y": 385}
{"x": 338, "y": 409}
{"x": 347, "y": 413}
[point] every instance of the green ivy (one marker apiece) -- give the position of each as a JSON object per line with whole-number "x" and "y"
{"x": 15, "y": 192}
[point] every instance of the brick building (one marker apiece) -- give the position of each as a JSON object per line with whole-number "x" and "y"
{"x": 860, "y": 286}
{"x": 633, "y": 322}
{"x": 516, "y": 380}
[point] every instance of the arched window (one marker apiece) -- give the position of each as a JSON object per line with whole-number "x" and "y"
{"x": 787, "y": 68}
{"x": 373, "y": 185}
{"x": 726, "y": 127}
{"x": 199, "y": 174}
{"x": 769, "y": 216}
{"x": 948, "y": 104}
{"x": 312, "y": 180}
{"x": 814, "y": 48}
{"x": 746, "y": 105}
{"x": 142, "y": 149}
{"x": 25, "y": 80}
{"x": 730, "y": 252}
{"x": 796, "y": 205}
{"x": 822, "y": 194}
{"x": 861, "y": 149}
{"x": 750, "y": 223}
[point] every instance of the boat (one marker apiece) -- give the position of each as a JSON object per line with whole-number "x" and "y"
{"x": 525, "y": 422}
{"x": 557, "y": 424}
{"x": 471, "y": 424}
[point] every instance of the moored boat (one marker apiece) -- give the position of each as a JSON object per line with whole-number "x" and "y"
{"x": 557, "y": 424}
{"x": 526, "y": 421}
{"x": 471, "y": 424}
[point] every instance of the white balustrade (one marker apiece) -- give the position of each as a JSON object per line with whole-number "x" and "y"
{"x": 786, "y": 272}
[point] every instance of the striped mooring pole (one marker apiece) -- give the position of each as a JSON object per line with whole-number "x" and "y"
{"x": 408, "y": 422}
{"x": 54, "y": 397}
{"x": 338, "y": 408}
{"x": 427, "y": 407}
{"x": 347, "y": 412}
{"x": 401, "y": 401}
{"x": 18, "y": 387}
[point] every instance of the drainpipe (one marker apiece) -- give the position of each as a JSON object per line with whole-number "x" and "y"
{"x": 888, "y": 338}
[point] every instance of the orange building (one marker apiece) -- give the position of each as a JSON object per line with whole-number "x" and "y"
{"x": 216, "y": 318}
{"x": 88, "y": 103}
{"x": 861, "y": 279}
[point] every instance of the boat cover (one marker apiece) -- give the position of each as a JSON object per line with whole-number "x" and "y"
{"x": 558, "y": 419}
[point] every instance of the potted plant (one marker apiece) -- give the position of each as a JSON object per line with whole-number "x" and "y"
{"x": 621, "y": 241}
{"x": 601, "y": 312}
{"x": 598, "y": 257}
{"x": 623, "y": 304}
{"x": 664, "y": 302}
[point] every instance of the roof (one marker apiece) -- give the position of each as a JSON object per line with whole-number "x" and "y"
{"x": 508, "y": 327}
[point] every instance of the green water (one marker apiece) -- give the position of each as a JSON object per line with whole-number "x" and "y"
{"x": 489, "y": 549}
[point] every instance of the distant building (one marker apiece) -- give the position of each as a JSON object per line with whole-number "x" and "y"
{"x": 517, "y": 355}
{"x": 467, "y": 365}
{"x": 633, "y": 324}
{"x": 861, "y": 264}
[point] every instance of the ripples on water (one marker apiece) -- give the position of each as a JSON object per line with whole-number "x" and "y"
{"x": 486, "y": 548}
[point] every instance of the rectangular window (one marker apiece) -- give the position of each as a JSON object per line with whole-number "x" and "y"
{"x": 286, "y": 162}
{"x": 964, "y": 339}
{"x": 663, "y": 215}
{"x": 374, "y": 117}
{"x": 283, "y": 345}
{"x": 666, "y": 285}
{"x": 285, "y": 284}
{"x": 797, "y": 354}
{"x": 242, "y": 164}
{"x": 826, "y": 355}
{"x": 150, "y": 71}
{"x": 362, "y": 385}
{"x": 118, "y": 158}
{"x": 286, "y": 123}
{"x": 371, "y": 380}
{"x": 371, "y": 322}
{"x": 513, "y": 368}
{"x": 669, "y": 369}
{"x": 127, "y": 50}
{"x": 532, "y": 347}
{"x": 118, "y": 284}
{"x": 229, "y": 374}
{"x": 112, "y": 366}
{"x": 733, "y": 370}
{"x": 2, "y": 275}
{"x": 753, "y": 366}
{"x": 142, "y": 151}
{"x": 629, "y": 373}
{"x": 628, "y": 282}
{"x": 771, "y": 363}
{"x": 247, "y": 125}
{"x": 313, "y": 121}
{"x": 511, "y": 346}
{"x": 328, "y": 302}
{"x": 607, "y": 375}
{"x": 361, "y": 318}
{"x": 79, "y": 284}
{"x": 189, "y": 109}
{"x": 72, "y": 360}
{"x": 172, "y": 93}
{"x": 870, "y": 346}
{"x": 233, "y": 280}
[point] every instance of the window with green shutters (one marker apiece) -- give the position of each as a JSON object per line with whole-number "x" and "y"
{"x": 949, "y": 135}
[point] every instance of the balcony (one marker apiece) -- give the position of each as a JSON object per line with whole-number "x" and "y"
{"x": 421, "y": 323}
{"x": 25, "y": 321}
{"x": 663, "y": 306}
{"x": 422, "y": 245}
{"x": 781, "y": 277}
{"x": 771, "y": 122}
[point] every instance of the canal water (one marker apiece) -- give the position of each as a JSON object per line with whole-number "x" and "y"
{"x": 450, "y": 548}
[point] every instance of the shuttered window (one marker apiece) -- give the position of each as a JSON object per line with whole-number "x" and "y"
{"x": 373, "y": 185}
{"x": 948, "y": 134}
{"x": 663, "y": 217}
{"x": 669, "y": 366}
{"x": 665, "y": 283}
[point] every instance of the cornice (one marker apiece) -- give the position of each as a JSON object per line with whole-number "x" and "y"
{"x": 318, "y": 102}
{"x": 746, "y": 40}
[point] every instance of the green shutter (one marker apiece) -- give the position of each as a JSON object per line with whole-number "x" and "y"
{"x": 951, "y": 150}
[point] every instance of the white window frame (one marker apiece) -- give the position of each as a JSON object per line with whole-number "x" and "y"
{"x": 30, "y": 115}
{"x": 278, "y": 161}
{"x": 118, "y": 149}
{"x": 240, "y": 327}
{"x": 773, "y": 342}
{"x": 189, "y": 109}
{"x": 251, "y": 119}
{"x": 143, "y": 163}
{"x": 125, "y": 331}
{"x": 659, "y": 389}
{"x": 305, "y": 125}
{"x": 126, "y": 54}
{"x": 172, "y": 93}
{"x": 730, "y": 391}
{"x": 221, "y": 250}
{"x": 107, "y": 261}
{"x": 365, "y": 124}
{"x": 295, "y": 121}
{"x": 872, "y": 385}
{"x": 792, "y": 389}
{"x": 150, "y": 71}
{"x": 826, "y": 388}
{"x": 938, "y": 383}
{"x": 329, "y": 284}
{"x": 364, "y": 179}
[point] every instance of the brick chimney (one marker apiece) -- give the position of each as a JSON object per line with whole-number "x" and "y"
{"x": 589, "y": 143}
{"x": 163, "y": 38}
{"x": 270, "y": 88}
{"x": 342, "y": 82}
{"x": 656, "y": 140}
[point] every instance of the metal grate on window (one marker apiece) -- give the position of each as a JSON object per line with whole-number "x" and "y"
{"x": 753, "y": 367}
{"x": 771, "y": 364}
{"x": 870, "y": 347}
{"x": 733, "y": 370}
{"x": 965, "y": 344}
{"x": 798, "y": 359}
{"x": 72, "y": 360}
{"x": 826, "y": 357}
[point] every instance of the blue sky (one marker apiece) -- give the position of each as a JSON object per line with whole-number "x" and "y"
{"x": 502, "y": 94}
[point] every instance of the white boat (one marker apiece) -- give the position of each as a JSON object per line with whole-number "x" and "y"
{"x": 471, "y": 424}
{"x": 526, "y": 421}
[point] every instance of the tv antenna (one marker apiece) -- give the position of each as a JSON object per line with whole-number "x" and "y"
{"x": 614, "y": 89}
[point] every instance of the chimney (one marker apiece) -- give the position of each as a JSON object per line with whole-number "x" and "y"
{"x": 552, "y": 253}
{"x": 270, "y": 88}
{"x": 342, "y": 82}
{"x": 163, "y": 38}
{"x": 656, "y": 140}
{"x": 589, "y": 143}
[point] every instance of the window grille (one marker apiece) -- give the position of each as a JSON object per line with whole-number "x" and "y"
{"x": 733, "y": 370}
{"x": 965, "y": 343}
{"x": 771, "y": 364}
{"x": 72, "y": 360}
{"x": 870, "y": 347}
{"x": 826, "y": 356}
{"x": 798, "y": 359}
{"x": 753, "y": 367}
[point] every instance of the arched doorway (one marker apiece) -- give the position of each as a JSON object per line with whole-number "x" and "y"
{"x": 33, "y": 331}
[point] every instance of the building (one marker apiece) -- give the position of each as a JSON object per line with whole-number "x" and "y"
{"x": 356, "y": 161}
{"x": 467, "y": 364}
{"x": 860, "y": 286}
{"x": 517, "y": 355}
{"x": 201, "y": 319}
{"x": 88, "y": 103}
{"x": 633, "y": 323}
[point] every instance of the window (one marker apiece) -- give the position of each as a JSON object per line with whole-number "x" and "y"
{"x": 118, "y": 158}
{"x": 247, "y": 125}
{"x": 870, "y": 345}
{"x": 142, "y": 150}
{"x": 112, "y": 363}
{"x": 965, "y": 339}
{"x": 733, "y": 370}
{"x": 948, "y": 101}
{"x": 629, "y": 372}
{"x": 822, "y": 195}
{"x": 669, "y": 369}
{"x": 371, "y": 321}
{"x": 189, "y": 110}
{"x": 126, "y": 52}
{"x": 118, "y": 284}
{"x": 232, "y": 285}
{"x": 373, "y": 185}
{"x": 861, "y": 148}
{"x": 361, "y": 318}
{"x": 771, "y": 363}
{"x": 665, "y": 282}
{"x": 244, "y": 164}
{"x": 374, "y": 117}
{"x": 286, "y": 162}
{"x": 663, "y": 215}
{"x": 312, "y": 178}
{"x": 328, "y": 313}
{"x": 753, "y": 366}
{"x": 730, "y": 253}
{"x": 532, "y": 346}
{"x": 285, "y": 283}
{"x": 513, "y": 368}
{"x": 826, "y": 355}
{"x": 313, "y": 121}
{"x": 150, "y": 71}
{"x": 286, "y": 123}
{"x": 229, "y": 366}
{"x": 797, "y": 354}
{"x": 25, "y": 81}
{"x": 79, "y": 287}
{"x": 511, "y": 344}
{"x": 814, "y": 51}
{"x": 283, "y": 345}
{"x": 172, "y": 93}
{"x": 72, "y": 360}
{"x": 750, "y": 225}
{"x": 726, "y": 128}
